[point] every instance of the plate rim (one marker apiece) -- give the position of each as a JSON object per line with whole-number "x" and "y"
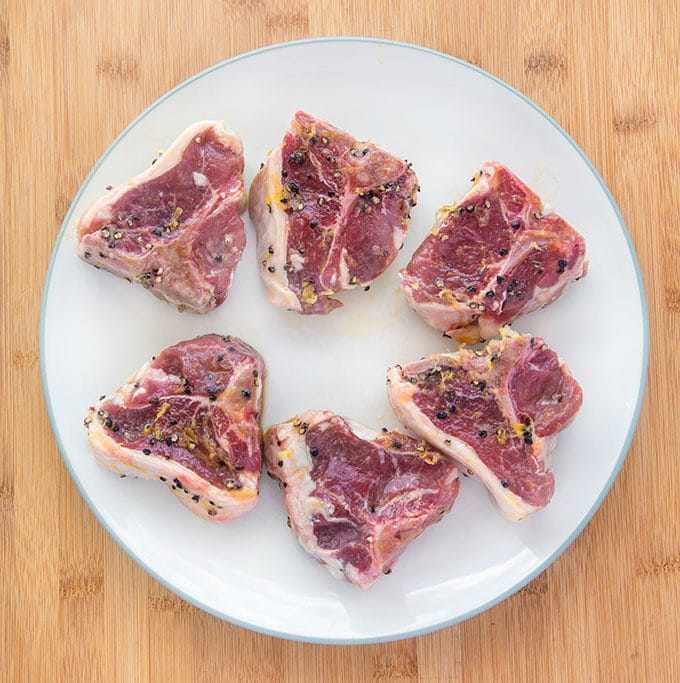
{"x": 642, "y": 385}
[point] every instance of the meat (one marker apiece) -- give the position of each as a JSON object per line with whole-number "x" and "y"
{"x": 330, "y": 213}
{"x": 491, "y": 258}
{"x": 496, "y": 412}
{"x": 356, "y": 498}
{"x": 189, "y": 418}
{"x": 175, "y": 228}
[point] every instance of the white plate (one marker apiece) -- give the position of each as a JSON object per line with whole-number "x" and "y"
{"x": 447, "y": 117}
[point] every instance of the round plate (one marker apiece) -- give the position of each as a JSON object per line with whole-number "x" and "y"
{"x": 447, "y": 117}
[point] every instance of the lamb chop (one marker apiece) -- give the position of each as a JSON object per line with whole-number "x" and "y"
{"x": 175, "y": 228}
{"x": 491, "y": 258}
{"x": 189, "y": 418}
{"x": 330, "y": 213}
{"x": 495, "y": 412}
{"x": 356, "y": 498}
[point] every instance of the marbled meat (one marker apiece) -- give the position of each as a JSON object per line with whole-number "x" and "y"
{"x": 330, "y": 212}
{"x": 175, "y": 228}
{"x": 495, "y": 412}
{"x": 189, "y": 418}
{"x": 355, "y": 497}
{"x": 491, "y": 258}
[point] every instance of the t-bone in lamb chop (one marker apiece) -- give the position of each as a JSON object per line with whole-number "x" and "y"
{"x": 491, "y": 258}
{"x": 495, "y": 412}
{"x": 189, "y": 418}
{"x": 175, "y": 228}
{"x": 330, "y": 213}
{"x": 356, "y": 498}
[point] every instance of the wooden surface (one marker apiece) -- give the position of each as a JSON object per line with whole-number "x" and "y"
{"x": 74, "y": 606}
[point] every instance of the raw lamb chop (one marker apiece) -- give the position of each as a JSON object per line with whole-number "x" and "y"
{"x": 496, "y": 412}
{"x": 189, "y": 418}
{"x": 330, "y": 213}
{"x": 491, "y": 258}
{"x": 356, "y": 498}
{"x": 175, "y": 228}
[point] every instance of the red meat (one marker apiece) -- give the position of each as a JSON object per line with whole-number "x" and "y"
{"x": 175, "y": 228}
{"x": 356, "y": 498}
{"x": 495, "y": 412}
{"x": 491, "y": 258}
{"x": 190, "y": 418}
{"x": 330, "y": 213}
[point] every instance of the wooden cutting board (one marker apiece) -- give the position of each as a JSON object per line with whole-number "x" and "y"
{"x": 74, "y": 606}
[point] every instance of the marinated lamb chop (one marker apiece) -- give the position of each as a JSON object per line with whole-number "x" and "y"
{"x": 495, "y": 412}
{"x": 356, "y": 498}
{"x": 331, "y": 213}
{"x": 491, "y": 258}
{"x": 189, "y": 418}
{"x": 175, "y": 228}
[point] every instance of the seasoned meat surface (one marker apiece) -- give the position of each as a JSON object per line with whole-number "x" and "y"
{"x": 495, "y": 412}
{"x": 190, "y": 418}
{"x": 491, "y": 258}
{"x": 331, "y": 213}
{"x": 356, "y": 497}
{"x": 175, "y": 228}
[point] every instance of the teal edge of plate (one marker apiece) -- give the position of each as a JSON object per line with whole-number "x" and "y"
{"x": 584, "y": 521}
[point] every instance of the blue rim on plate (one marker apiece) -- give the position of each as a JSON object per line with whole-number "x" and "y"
{"x": 582, "y": 523}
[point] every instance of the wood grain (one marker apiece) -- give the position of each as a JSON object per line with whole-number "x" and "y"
{"x": 74, "y": 606}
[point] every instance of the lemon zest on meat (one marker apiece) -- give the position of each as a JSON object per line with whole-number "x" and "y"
{"x": 308, "y": 294}
{"x": 162, "y": 411}
{"x": 277, "y": 190}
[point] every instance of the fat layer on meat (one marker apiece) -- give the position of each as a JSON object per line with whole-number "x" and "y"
{"x": 189, "y": 418}
{"x": 175, "y": 228}
{"x": 330, "y": 214}
{"x": 356, "y": 497}
{"x": 495, "y": 412}
{"x": 491, "y": 258}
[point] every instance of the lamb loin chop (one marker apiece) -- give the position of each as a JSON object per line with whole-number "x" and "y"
{"x": 495, "y": 412}
{"x": 330, "y": 213}
{"x": 356, "y": 498}
{"x": 189, "y": 418}
{"x": 175, "y": 228}
{"x": 491, "y": 258}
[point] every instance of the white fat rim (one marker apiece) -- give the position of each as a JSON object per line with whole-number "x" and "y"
{"x": 400, "y": 395}
{"x": 100, "y": 209}
{"x": 271, "y": 225}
